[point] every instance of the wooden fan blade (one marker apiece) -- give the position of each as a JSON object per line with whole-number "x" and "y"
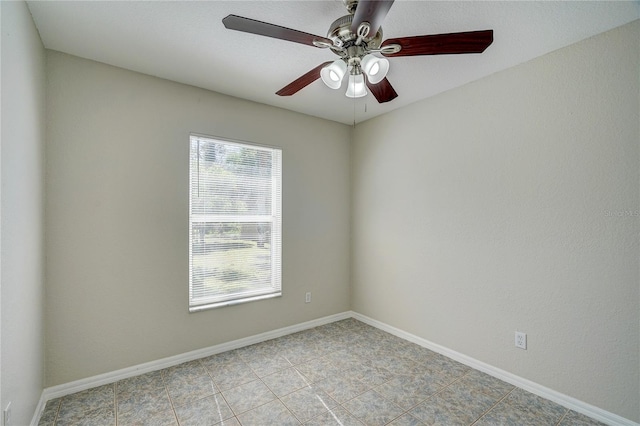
{"x": 247, "y": 25}
{"x": 371, "y": 11}
{"x": 302, "y": 81}
{"x": 383, "y": 91}
{"x": 442, "y": 44}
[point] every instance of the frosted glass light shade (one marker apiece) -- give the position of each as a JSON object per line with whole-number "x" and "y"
{"x": 356, "y": 87}
{"x": 333, "y": 73}
{"x": 375, "y": 68}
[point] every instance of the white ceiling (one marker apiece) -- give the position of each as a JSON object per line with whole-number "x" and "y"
{"x": 185, "y": 41}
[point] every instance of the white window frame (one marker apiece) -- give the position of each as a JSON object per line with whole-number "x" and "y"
{"x": 274, "y": 218}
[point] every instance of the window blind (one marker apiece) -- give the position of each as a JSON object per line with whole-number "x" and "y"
{"x": 235, "y": 222}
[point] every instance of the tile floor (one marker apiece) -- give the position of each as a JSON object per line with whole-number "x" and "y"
{"x": 344, "y": 373}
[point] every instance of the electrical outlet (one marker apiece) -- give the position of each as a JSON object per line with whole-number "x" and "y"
{"x": 6, "y": 418}
{"x": 307, "y": 297}
{"x": 521, "y": 340}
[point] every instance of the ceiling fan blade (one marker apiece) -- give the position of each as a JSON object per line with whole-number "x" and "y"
{"x": 442, "y": 44}
{"x": 302, "y": 81}
{"x": 371, "y": 11}
{"x": 247, "y": 25}
{"x": 382, "y": 91}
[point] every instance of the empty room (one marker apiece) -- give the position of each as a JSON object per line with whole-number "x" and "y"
{"x": 338, "y": 212}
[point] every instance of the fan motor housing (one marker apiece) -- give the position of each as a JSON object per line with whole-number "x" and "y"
{"x": 340, "y": 33}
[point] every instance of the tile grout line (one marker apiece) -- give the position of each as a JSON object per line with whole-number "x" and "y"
{"x": 436, "y": 393}
{"x": 166, "y": 389}
{"x": 407, "y": 411}
{"x": 493, "y": 406}
{"x": 115, "y": 402}
{"x": 55, "y": 418}
{"x": 235, "y": 415}
{"x": 563, "y": 416}
{"x": 281, "y": 401}
{"x": 277, "y": 397}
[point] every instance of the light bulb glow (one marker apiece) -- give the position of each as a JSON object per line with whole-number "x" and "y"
{"x": 374, "y": 69}
{"x": 333, "y": 73}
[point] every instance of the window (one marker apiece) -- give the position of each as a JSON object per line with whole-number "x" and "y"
{"x": 235, "y": 223}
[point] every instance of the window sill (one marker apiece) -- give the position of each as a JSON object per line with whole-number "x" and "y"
{"x": 198, "y": 308}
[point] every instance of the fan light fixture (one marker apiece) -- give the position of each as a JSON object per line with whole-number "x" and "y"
{"x": 356, "y": 87}
{"x": 375, "y": 68}
{"x": 333, "y": 73}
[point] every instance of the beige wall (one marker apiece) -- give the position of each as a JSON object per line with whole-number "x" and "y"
{"x": 22, "y": 207}
{"x": 117, "y": 217}
{"x": 494, "y": 208}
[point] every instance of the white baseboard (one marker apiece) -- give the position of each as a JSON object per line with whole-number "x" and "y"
{"x": 557, "y": 397}
{"x": 103, "y": 379}
{"x": 147, "y": 367}
{"x": 39, "y": 409}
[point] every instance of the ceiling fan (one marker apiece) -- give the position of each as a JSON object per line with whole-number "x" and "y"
{"x": 357, "y": 39}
